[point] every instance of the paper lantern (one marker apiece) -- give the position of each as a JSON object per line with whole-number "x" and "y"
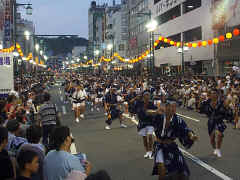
{"x": 229, "y": 35}
{"x": 221, "y": 38}
{"x": 157, "y": 41}
{"x": 210, "y": 42}
{"x": 178, "y": 44}
{"x": 215, "y": 41}
{"x": 168, "y": 41}
{"x": 194, "y": 45}
{"x": 204, "y": 43}
{"x": 172, "y": 42}
{"x": 160, "y": 38}
{"x": 236, "y": 32}
{"x": 189, "y": 45}
{"x": 199, "y": 44}
{"x": 165, "y": 40}
{"x": 175, "y": 43}
{"x": 155, "y": 44}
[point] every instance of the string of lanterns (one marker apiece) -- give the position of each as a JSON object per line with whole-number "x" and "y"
{"x": 216, "y": 40}
{"x": 19, "y": 50}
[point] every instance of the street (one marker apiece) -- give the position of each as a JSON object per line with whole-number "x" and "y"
{"x": 120, "y": 151}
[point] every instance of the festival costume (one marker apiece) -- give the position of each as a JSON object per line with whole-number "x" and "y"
{"x": 166, "y": 150}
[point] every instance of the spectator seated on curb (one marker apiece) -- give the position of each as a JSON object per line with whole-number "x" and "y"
{"x": 6, "y": 165}
{"x": 34, "y": 135}
{"x": 28, "y": 164}
{"x": 59, "y": 163}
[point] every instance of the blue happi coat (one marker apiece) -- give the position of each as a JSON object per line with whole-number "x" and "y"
{"x": 215, "y": 116}
{"x": 173, "y": 158}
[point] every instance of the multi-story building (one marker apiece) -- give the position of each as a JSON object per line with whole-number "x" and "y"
{"x": 1, "y": 23}
{"x": 195, "y": 20}
{"x": 96, "y": 27}
{"x": 25, "y": 26}
{"x": 138, "y": 16}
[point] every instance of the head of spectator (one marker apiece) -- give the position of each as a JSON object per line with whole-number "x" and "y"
{"x": 28, "y": 163}
{"x": 61, "y": 138}
{"x": 47, "y": 97}
{"x": 3, "y": 138}
{"x": 11, "y": 99}
{"x": 13, "y": 127}
{"x": 34, "y": 134}
{"x": 100, "y": 175}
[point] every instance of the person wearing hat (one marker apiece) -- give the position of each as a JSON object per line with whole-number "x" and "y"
{"x": 112, "y": 109}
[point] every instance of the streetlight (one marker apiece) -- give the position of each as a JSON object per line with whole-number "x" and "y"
{"x": 109, "y": 46}
{"x": 97, "y": 52}
{"x": 45, "y": 57}
{"x": 15, "y": 53}
{"x": 27, "y": 34}
{"x": 85, "y": 57}
{"x": 37, "y": 47}
{"x": 41, "y": 52}
{"x": 151, "y": 27}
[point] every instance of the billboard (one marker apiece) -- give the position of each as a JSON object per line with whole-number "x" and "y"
{"x": 225, "y": 12}
{"x": 6, "y": 73}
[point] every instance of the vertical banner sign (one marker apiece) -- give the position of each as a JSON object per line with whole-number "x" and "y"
{"x": 7, "y": 24}
{"x": 6, "y": 73}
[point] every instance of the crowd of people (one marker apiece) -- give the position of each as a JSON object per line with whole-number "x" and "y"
{"x": 34, "y": 144}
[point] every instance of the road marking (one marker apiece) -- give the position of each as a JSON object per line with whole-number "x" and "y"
{"x": 199, "y": 162}
{"x": 61, "y": 98}
{"x": 206, "y": 166}
{"x": 188, "y": 117}
{"x": 64, "y": 110}
{"x": 60, "y": 91}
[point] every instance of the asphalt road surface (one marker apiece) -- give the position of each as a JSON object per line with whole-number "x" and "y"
{"x": 120, "y": 151}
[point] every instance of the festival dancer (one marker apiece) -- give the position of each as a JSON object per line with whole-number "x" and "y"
{"x": 79, "y": 97}
{"x": 145, "y": 125}
{"x": 168, "y": 159}
{"x": 112, "y": 109}
{"x": 215, "y": 109}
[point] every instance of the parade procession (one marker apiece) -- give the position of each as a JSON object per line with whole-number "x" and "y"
{"x": 119, "y": 90}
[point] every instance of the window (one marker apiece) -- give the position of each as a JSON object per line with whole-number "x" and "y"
{"x": 192, "y": 35}
{"x": 190, "y": 5}
{"x": 156, "y": 1}
{"x": 169, "y": 15}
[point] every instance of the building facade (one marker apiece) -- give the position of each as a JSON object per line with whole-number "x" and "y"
{"x": 138, "y": 16}
{"x": 96, "y": 27}
{"x": 192, "y": 21}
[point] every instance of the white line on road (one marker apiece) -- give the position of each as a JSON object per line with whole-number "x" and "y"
{"x": 206, "y": 166}
{"x": 199, "y": 162}
{"x": 188, "y": 117}
{"x": 64, "y": 110}
{"x": 61, "y": 98}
